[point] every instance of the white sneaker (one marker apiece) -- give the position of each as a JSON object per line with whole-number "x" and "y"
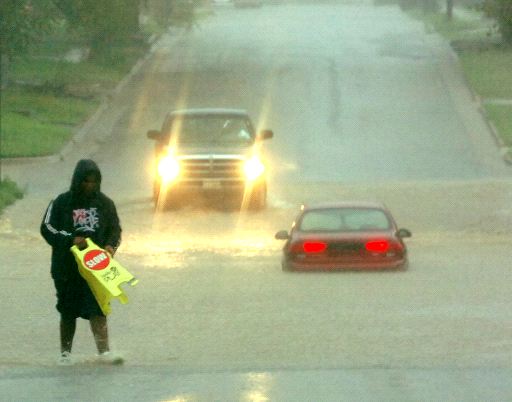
{"x": 65, "y": 359}
{"x": 109, "y": 358}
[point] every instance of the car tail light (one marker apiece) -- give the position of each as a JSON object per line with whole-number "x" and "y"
{"x": 314, "y": 246}
{"x": 307, "y": 247}
{"x": 377, "y": 246}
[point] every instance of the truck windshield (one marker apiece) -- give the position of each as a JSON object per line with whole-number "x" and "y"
{"x": 212, "y": 130}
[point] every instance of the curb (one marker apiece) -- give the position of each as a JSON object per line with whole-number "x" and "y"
{"x": 505, "y": 151}
{"x": 107, "y": 100}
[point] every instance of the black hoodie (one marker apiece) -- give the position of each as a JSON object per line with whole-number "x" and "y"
{"x": 74, "y": 214}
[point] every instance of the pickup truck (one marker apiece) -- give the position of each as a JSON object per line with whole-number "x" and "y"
{"x": 210, "y": 153}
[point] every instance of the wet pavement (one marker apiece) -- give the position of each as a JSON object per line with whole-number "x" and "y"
{"x": 213, "y": 316}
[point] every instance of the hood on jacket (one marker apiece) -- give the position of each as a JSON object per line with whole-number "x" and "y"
{"x": 84, "y": 168}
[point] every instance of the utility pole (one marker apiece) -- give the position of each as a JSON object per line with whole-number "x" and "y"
{"x": 449, "y": 9}
{"x": 3, "y": 85}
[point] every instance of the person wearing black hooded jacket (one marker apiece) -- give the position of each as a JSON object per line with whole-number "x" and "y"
{"x": 83, "y": 211}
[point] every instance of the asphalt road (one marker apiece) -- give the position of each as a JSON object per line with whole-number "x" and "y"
{"x": 364, "y": 105}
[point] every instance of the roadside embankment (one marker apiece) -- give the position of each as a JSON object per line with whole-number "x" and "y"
{"x": 485, "y": 60}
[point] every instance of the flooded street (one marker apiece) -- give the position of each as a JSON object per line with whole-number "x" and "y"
{"x": 371, "y": 122}
{"x": 212, "y": 294}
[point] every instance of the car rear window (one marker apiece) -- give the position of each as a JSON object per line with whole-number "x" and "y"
{"x": 344, "y": 219}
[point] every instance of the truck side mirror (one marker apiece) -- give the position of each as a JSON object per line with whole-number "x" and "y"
{"x": 154, "y": 134}
{"x": 265, "y": 135}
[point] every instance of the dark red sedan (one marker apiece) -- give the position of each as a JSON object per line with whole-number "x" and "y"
{"x": 344, "y": 235}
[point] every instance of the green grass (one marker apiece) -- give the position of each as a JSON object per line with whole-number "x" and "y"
{"x": 9, "y": 193}
{"x": 50, "y": 98}
{"x": 36, "y": 124}
{"x": 486, "y": 62}
{"x": 25, "y": 137}
{"x": 76, "y": 75}
{"x": 500, "y": 115}
{"x": 47, "y": 107}
{"x": 489, "y": 72}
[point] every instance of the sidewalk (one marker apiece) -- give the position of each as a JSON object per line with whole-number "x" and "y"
{"x": 469, "y": 14}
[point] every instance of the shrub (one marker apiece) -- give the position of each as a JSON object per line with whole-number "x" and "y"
{"x": 501, "y": 10}
{"x": 9, "y": 193}
{"x": 428, "y": 6}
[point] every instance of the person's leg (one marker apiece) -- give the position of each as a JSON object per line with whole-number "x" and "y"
{"x": 67, "y": 313}
{"x": 67, "y": 333}
{"x": 100, "y": 331}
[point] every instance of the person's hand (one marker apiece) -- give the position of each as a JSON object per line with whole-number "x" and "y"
{"x": 80, "y": 242}
{"x": 110, "y": 250}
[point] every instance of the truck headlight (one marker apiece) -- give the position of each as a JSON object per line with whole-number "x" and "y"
{"x": 168, "y": 168}
{"x": 253, "y": 168}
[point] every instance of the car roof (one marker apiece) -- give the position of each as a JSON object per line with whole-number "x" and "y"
{"x": 344, "y": 204}
{"x": 209, "y": 112}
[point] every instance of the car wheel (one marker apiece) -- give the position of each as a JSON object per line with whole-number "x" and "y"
{"x": 171, "y": 202}
{"x": 165, "y": 201}
{"x": 285, "y": 267}
{"x": 156, "y": 196}
{"x": 404, "y": 267}
{"x": 156, "y": 192}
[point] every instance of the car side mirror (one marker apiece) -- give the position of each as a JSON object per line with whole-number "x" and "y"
{"x": 154, "y": 134}
{"x": 282, "y": 235}
{"x": 403, "y": 233}
{"x": 265, "y": 135}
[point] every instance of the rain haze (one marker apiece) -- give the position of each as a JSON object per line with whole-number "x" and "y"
{"x": 366, "y": 104}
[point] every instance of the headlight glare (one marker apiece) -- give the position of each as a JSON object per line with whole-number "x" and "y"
{"x": 253, "y": 168}
{"x": 168, "y": 168}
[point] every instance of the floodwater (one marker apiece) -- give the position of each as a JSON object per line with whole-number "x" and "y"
{"x": 364, "y": 105}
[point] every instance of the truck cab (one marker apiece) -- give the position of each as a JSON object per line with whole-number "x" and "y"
{"x": 209, "y": 153}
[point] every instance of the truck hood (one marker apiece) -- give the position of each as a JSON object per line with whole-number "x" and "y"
{"x": 218, "y": 151}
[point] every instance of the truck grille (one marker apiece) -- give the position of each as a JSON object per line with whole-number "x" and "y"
{"x": 225, "y": 168}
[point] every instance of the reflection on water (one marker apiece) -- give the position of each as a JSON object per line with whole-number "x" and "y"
{"x": 255, "y": 387}
{"x": 181, "y": 398}
{"x": 259, "y": 385}
{"x": 174, "y": 239}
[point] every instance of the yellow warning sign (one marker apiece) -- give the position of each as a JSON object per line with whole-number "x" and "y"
{"x": 103, "y": 273}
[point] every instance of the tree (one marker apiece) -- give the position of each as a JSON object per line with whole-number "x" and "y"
{"x": 180, "y": 13}
{"x": 22, "y": 23}
{"x": 102, "y": 23}
{"x": 428, "y": 6}
{"x": 449, "y": 9}
{"x": 501, "y": 10}
{"x": 160, "y": 11}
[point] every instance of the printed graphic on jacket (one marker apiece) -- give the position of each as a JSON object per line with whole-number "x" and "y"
{"x": 86, "y": 219}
